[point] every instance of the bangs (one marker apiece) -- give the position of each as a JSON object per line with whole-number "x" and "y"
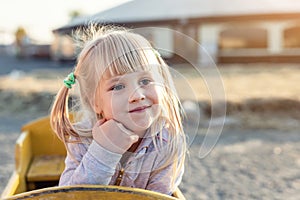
{"x": 135, "y": 54}
{"x": 131, "y": 62}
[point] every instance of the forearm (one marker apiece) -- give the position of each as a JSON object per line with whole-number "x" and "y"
{"x": 96, "y": 166}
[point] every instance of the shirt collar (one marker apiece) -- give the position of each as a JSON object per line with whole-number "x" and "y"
{"x": 147, "y": 140}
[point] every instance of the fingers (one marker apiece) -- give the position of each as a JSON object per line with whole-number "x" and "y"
{"x": 134, "y": 138}
{"x": 100, "y": 122}
{"x": 113, "y": 135}
{"x": 125, "y": 130}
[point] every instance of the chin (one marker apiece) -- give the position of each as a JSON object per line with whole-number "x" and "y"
{"x": 139, "y": 128}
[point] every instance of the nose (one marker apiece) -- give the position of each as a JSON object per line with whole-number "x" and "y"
{"x": 137, "y": 95}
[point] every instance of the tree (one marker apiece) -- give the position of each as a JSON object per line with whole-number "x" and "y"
{"x": 74, "y": 14}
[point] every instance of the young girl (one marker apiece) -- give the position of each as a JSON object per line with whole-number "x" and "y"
{"x": 127, "y": 126}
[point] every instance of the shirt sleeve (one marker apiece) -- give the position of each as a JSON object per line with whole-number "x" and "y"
{"x": 88, "y": 165}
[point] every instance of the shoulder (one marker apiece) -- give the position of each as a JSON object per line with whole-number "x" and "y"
{"x": 166, "y": 137}
{"x": 169, "y": 144}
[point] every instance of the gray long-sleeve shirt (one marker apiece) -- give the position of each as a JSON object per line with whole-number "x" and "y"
{"x": 90, "y": 163}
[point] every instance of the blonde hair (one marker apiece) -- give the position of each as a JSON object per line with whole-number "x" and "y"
{"x": 120, "y": 51}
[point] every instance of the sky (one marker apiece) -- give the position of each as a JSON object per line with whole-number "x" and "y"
{"x": 40, "y": 17}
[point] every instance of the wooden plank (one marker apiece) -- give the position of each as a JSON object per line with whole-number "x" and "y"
{"x": 23, "y": 156}
{"x": 178, "y": 194}
{"x": 46, "y": 168}
{"x": 43, "y": 139}
{"x": 23, "y": 153}
{"x": 92, "y": 192}
{"x": 12, "y": 186}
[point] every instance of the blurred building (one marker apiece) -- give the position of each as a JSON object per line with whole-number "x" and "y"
{"x": 228, "y": 30}
{"x": 21, "y": 45}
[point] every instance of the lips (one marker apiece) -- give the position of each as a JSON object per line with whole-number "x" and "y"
{"x": 139, "y": 109}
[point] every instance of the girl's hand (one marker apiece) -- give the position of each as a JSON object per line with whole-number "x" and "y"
{"x": 113, "y": 136}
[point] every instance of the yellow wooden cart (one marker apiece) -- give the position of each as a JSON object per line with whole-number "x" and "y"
{"x": 39, "y": 161}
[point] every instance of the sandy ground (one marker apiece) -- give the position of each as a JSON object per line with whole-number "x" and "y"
{"x": 255, "y": 157}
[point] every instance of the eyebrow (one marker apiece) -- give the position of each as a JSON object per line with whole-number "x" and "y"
{"x": 118, "y": 77}
{"x": 113, "y": 80}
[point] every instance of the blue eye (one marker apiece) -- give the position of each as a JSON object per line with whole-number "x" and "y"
{"x": 118, "y": 87}
{"x": 145, "y": 81}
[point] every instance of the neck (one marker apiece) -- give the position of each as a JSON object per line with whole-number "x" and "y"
{"x": 129, "y": 151}
{"x": 134, "y": 146}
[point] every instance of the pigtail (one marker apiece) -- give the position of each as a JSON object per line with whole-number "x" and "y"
{"x": 59, "y": 118}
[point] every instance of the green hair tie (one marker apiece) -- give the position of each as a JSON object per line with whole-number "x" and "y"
{"x": 156, "y": 53}
{"x": 70, "y": 80}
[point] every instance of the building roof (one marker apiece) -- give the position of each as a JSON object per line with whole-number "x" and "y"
{"x": 156, "y": 10}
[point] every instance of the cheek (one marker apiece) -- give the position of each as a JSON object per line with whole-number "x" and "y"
{"x": 154, "y": 94}
{"x": 112, "y": 108}
{"x": 107, "y": 113}
{"x": 105, "y": 104}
